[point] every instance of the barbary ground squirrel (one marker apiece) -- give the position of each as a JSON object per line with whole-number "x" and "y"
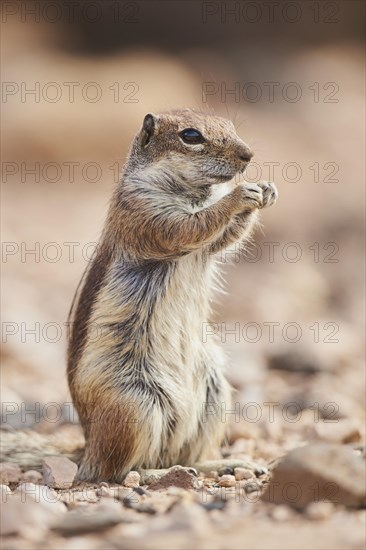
{"x": 141, "y": 377}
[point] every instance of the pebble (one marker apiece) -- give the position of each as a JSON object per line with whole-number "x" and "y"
{"x": 132, "y": 479}
{"x": 9, "y": 473}
{"x": 227, "y": 481}
{"x": 58, "y": 472}
{"x": 251, "y": 486}
{"x": 243, "y": 473}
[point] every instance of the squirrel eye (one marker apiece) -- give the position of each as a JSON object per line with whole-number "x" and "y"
{"x": 191, "y": 135}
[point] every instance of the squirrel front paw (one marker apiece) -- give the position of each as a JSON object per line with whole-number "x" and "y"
{"x": 270, "y": 193}
{"x": 249, "y": 196}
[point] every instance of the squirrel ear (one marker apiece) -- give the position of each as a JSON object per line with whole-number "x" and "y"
{"x": 149, "y": 127}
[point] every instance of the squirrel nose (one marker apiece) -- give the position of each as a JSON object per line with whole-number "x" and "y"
{"x": 245, "y": 154}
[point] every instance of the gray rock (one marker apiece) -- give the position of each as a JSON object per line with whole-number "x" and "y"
{"x": 58, "y": 472}
{"x": 318, "y": 472}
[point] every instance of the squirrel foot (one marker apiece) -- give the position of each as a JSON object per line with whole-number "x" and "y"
{"x": 269, "y": 193}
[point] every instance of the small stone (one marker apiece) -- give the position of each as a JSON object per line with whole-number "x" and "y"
{"x": 31, "y": 476}
{"x": 59, "y": 472}
{"x": 251, "y": 486}
{"x": 176, "y": 477}
{"x": 319, "y": 510}
{"x": 227, "y": 481}
{"x": 132, "y": 479}
{"x": 243, "y": 473}
{"x": 9, "y": 473}
{"x": 213, "y": 475}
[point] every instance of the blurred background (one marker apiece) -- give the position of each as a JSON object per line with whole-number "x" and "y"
{"x": 78, "y": 79}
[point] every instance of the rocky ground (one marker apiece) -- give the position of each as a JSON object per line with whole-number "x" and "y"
{"x": 208, "y": 511}
{"x": 299, "y": 406}
{"x": 307, "y": 490}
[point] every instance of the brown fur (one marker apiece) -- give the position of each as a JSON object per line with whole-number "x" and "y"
{"x": 146, "y": 387}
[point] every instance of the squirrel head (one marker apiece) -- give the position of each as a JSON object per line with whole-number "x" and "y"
{"x": 198, "y": 148}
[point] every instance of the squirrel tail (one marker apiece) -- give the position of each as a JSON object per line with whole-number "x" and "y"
{"x": 28, "y": 448}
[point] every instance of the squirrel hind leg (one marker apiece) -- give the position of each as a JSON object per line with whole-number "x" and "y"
{"x": 124, "y": 437}
{"x": 109, "y": 451}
